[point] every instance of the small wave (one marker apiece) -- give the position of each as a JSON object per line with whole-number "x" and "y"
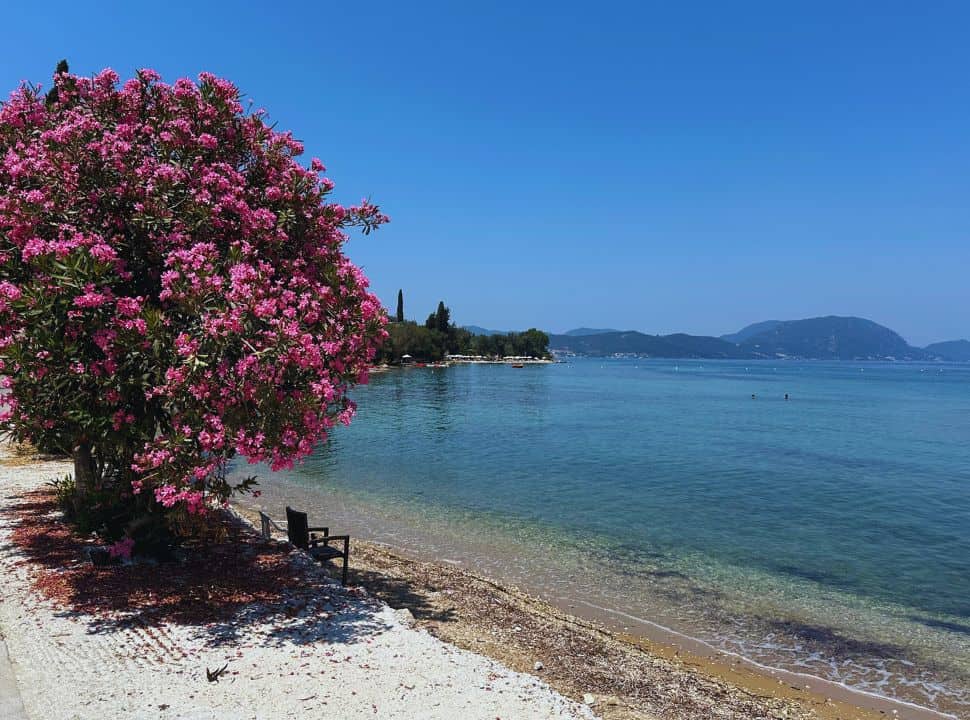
{"x": 846, "y": 673}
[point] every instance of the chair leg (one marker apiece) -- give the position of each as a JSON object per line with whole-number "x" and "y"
{"x": 346, "y": 558}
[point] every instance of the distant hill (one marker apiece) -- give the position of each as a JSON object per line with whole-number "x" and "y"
{"x": 476, "y": 330}
{"x": 751, "y": 330}
{"x": 832, "y": 338}
{"x": 822, "y": 338}
{"x": 580, "y": 332}
{"x": 636, "y": 343}
{"x": 952, "y": 350}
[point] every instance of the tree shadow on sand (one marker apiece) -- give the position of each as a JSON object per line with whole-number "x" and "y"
{"x": 400, "y": 592}
{"x": 223, "y": 589}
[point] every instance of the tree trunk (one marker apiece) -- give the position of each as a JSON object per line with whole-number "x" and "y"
{"x": 83, "y": 470}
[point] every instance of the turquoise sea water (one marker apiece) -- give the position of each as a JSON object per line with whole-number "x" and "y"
{"x": 828, "y": 534}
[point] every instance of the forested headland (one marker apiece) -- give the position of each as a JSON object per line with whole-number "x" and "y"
{"x": 438, "y": 337}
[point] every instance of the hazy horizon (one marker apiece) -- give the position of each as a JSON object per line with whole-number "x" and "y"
{"x": 666, "y": 169}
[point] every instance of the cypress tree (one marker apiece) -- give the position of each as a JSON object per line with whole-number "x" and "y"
{"x": 52, "y": 93}
{"x": 400, "y": 306}
{"x": 442, "y": 317}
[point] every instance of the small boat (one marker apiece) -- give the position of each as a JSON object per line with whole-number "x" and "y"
{"x": 518, "y": 365}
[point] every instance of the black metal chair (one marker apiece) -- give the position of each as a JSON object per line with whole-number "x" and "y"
{"x": 304, "y": 537}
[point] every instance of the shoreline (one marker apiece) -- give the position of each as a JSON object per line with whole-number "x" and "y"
{"x": 441, "y": 364}
{"x": 728, "y": 672}
{"x": 612, "y": 504}
{"x": 621, "y": 675}
{"x": 247, "y": 628}
{"x": 397, "y": 529}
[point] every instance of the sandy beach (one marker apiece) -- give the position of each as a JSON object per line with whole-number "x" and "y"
{"x": 328, "y": 652}
{"x": 406, "y": 639}
{"x": 630, "y": 676}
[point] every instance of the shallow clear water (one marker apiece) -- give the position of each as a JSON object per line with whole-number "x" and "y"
{"x": 828, "y": 534}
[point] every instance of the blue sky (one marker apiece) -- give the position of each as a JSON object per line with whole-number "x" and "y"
{"x": 637, "y": 165}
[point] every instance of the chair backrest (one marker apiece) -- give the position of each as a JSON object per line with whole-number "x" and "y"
{"x": 297, "y": 528}
{"x": 265, "y": 526}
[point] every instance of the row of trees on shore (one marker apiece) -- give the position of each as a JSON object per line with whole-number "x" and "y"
{"x": 438, "y": 337}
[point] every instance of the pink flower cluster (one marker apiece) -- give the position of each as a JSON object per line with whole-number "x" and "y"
{"x": 170, "y": 267}
{"x": 169, "y": 496}
{"x": 122, "y": 549}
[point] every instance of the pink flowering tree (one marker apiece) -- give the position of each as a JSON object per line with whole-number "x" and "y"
{"x": 173, "y": 289}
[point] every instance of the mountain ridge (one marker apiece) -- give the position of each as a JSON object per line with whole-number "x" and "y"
{"x": 631, "y": 342}
{"x": 751, "y": 330}
{"x": 479, "y": 330}
{"x": 952, "y": 350}
{"x": 830, "y": 337}
{"x": 583, "y": 331}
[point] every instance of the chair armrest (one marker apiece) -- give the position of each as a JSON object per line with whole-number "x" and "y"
{"x": 328, "y": 538}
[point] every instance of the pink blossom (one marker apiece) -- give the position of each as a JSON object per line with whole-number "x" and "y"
{"x": 104, "y": 253}
{"x": 207, "y": 141}
{"x": 129, "y": 306}
{"x": 215, "y": 292}
{"x": 122, "y": 549}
